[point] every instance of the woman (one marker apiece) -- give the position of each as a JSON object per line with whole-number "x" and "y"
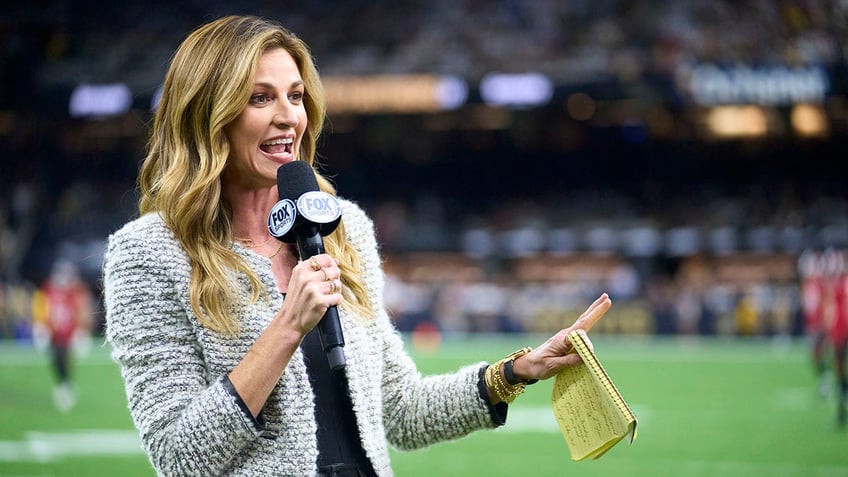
{"x": 211, "y": 320}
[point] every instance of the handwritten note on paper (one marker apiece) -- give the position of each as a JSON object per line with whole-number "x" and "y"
{"x": 591, "y": 414}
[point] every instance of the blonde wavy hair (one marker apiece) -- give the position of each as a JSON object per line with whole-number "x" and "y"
{"x": 207, "y": 85}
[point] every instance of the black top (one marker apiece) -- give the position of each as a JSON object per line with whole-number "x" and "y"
{"x": 338, "y": 434}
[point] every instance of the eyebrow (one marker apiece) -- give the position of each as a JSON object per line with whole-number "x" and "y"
{"x": 294, "y": 84}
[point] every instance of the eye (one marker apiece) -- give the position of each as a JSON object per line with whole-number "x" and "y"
{"x": 296, "y": 97}
{"x": 260, "y": 99}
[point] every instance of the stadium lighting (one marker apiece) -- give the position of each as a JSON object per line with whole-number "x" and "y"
{"x": 100, "y": 100}
{"x": 737, "y": 121}
{"x": 516, "y": 90}
{"x": 809, "y": 120}
{"x": 394, "y": 93}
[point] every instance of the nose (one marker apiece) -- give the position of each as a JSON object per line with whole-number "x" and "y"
{"x": 285, "y": 116}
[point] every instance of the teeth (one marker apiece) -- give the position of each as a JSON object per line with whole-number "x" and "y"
{"x": 275, "y": 142}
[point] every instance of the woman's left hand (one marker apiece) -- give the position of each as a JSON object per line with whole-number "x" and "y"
{"x": 556, "y": 353}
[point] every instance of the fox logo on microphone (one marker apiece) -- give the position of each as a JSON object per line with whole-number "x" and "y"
{"x": 281, "y": 218}
{"x": 319, "y": 207}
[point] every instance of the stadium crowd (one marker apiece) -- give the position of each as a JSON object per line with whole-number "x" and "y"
{"x": 662, "y": 248}
{"x": 569, "y": 41}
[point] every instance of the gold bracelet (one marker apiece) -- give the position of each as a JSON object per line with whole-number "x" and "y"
{"x": 493, "y": 377}
{"x": 497, "y": 386}
{"x": 488, "y": 377}
{"x": 507, "y": 392}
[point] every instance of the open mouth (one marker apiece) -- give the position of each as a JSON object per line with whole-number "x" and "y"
{"x": 277, "y": 146}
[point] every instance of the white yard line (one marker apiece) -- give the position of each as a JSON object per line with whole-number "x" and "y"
{"x": 541, "y": 419}
{"x": 50, "y": 446}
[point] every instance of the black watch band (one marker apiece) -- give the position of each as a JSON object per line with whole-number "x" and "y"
{"x": 509, "y": 374}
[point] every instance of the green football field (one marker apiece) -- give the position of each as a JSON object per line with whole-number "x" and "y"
{"x": 705, "y": 408}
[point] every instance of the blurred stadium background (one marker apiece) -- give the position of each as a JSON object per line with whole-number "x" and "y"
{"x": 518, "y": 158}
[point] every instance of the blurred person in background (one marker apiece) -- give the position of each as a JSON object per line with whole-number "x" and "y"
{"x": 62, "y": 314}
{"x": 811, "y": 271}
{"x": 18, "y": 298}
{"x": 835, "y": 319}
{"x": 213, "y": 321}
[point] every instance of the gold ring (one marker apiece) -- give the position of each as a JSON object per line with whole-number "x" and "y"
{"x": 315, "y": 265}
{"x": 326, "y": 277}
{"x": 332, "y": 287}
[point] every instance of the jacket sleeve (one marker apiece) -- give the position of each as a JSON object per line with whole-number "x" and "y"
{"x": 417, "y": 410}
{"x": 189, "y": 423}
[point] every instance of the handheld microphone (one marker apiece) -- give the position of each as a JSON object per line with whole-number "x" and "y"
{"x": 303, "y": 216}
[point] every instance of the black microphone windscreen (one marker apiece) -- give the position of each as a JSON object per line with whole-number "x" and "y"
{"x": 294, "y": 179}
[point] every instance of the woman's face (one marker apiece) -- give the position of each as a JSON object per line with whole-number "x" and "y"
{"x": 268, "y": 131}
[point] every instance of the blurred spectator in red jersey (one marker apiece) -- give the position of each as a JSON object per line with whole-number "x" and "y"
{"x": 836, "y": 324}
{"x": 62, "y": 317}
{"x": 811, "y": 268}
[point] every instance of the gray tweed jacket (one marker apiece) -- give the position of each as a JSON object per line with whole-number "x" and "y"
{"x": 190, "y": 425}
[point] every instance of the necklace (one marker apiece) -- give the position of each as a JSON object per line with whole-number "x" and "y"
{"x": 279, "y": 247}
{"x": 249, "y": 243}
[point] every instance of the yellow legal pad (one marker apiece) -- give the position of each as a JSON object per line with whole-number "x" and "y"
{"x": 591, "y": 413}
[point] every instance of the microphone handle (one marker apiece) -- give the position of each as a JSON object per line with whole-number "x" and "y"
{"x": 329, "y": 328}
{"x": 332, "y": 339}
